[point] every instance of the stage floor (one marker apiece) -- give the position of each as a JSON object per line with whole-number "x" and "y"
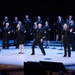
{"x": 10, "y": 56}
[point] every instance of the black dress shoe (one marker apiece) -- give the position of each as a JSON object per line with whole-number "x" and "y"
{"x": 44, "y": 53}
{"x": 32, "y": 54}
{"x": 17, "y": 47}
{"x": 73, "y": 50}
{"x": 3, "y": 48}
{"x": 64, "y": 56}
{"x": 69, "y": 56}
{"x": 7, "y": 48}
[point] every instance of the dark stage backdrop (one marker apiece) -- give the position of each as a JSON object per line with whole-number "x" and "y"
{"x": 47, "y": 9}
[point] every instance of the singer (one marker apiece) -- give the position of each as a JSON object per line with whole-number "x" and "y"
{"x": 39, "y": 36}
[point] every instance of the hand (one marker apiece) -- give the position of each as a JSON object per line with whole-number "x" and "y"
{"x": 24, "y": 31}
{"x": 41, "y": 40}
{"x": 34, "y": 39}
{"x": 31, "y": 33}
{"x": 71, "y": 30}
{"x": 62, "y": 37}
{"x": 56, "y": 30}
{"x": 44, "y": 31}
{"x": 3, "y": 22}
{"x": 54, "y": 23}
{"x": 9, "y": 32}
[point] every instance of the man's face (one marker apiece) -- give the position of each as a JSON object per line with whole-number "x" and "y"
{"x": 71, "y": 23}
{"x": 6, "y": 17}
{"x": 26, "y": 16}
{"x": 70, "y": 17}
{"x": 39, "y": 25}
{"x": 7, "y": 24}
{"x": 16, "y": 18}
{"x": 38, "y": 18}
{"x": 65, "y": 26}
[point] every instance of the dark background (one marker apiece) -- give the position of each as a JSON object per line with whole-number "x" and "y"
{"x": 45, "y": 8}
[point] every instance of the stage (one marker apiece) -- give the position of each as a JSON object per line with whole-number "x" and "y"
{"x": 53, "y": 54}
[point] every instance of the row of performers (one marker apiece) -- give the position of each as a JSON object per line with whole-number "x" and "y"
{"x": 20, "y": 32}
{"x": 57, "y": 27}
{"x": 27, "y": 23}
{"x": 39, "y": 36}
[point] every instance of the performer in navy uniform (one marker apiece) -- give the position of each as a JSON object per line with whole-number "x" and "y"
{"x": 39, "y": 39}
{"x": 70, "y": 18}
{"x": 28, "y": 25}
{"x": 59, "y": 28}
{"x": 6, "y": 20}
{"x": 33, "y": 30}
{"x": 14, "y": 25}
{"x": 47, "y": 34}
{"x": 39, "y": 20}
{"x": 66, "y": 40}
{"x": 6, "y": 35}
{"x": 72, "y": 35}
